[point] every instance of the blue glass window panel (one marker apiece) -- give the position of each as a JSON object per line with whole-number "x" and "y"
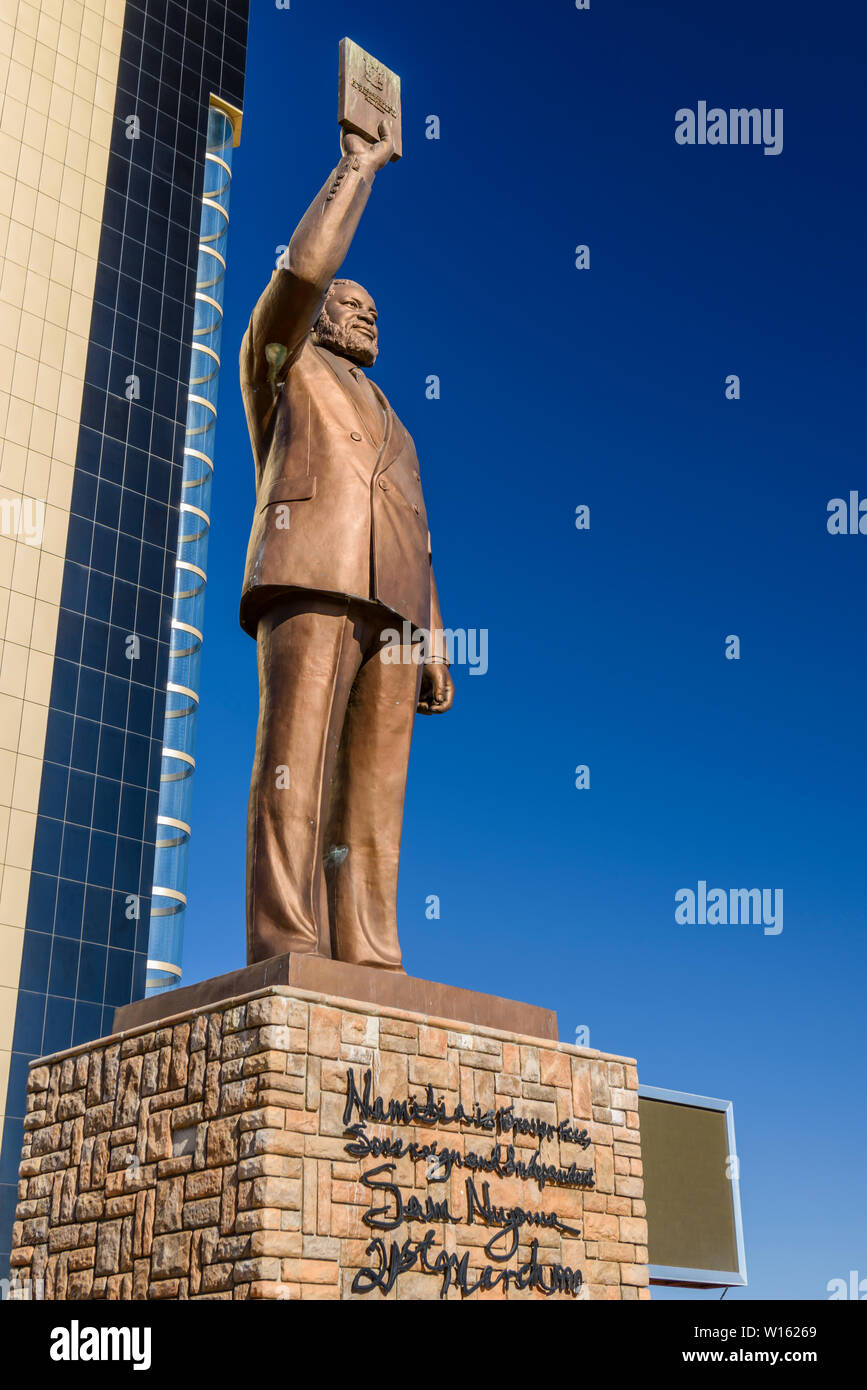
{"x": 85, "y": 741}
{"x": 127, "y": 864}
{"x": 176, "y": 279}
{"x": 70, "y": 908}
{"x": 93, "y": 401}
{"x": 63, "y": 975}
{"x": 115, "y": 704}
{"x": 99, "y": 593}
{"x": 136, "y": 761}
{"x": 155, "y": 761}
{"x": 89, "y": 705}
{"x": 111, "y": 241}
{"x": 84, "y": 493}
{"x": 97, "y": 913}
{"x": 132, "y": 811}
{"x": 169, "y": 359}
{"x": 163, "y": 439}
{"x": 105, "y": 287}
{"x": 74, "y": 590}
{"x": 79, "y": 540}
{"x": 91, "y": 972}
{"x": 107, "y": 503}
{"x": 149, "y": 613}
{"x": 125, "y": 329}
{"x": 116, "y": 415}
{"x": 13, "y": 1138}
{"x": 123, "y": 928}
{"x": 128, "y": 558}
{"x": 29, "y": 1021}
{"x": 87, "y": 1024}
{"x": 101, "y": 866}
{"x": 140, "y": 417}
{"x": 64, "y": 685}
{"x": 94, "y": 645}
{"x": 35, "y": 961}
{"x": 132, "y": 513}
{"x": 46, "y": 845}
{"x": 104, "y": 549}
{"x": 136, "y": 469}
{"x": 157, "y": 521}
{"x": 79, "y": 798}
{"x": 111, "y": 739}
{"x": 160, "y": 478}
{"x": 141, "y": 704}
{"x": 118, "y": 980}
{"x": 153, "y": 560}
{"x": 112, "y": 462}
{"x": 123, "y": 605}
{"x": 131, "y": 261}
{"x": 70, "y": 627}
{"x": 52, "y": 791}
{"x": 142, "y": 939}
{"x": 102, "y": 319}
{"x": 19, "y": 1066}
{"x": 58, "y": 1024}
{"x": 73, "y": 860}
{"x": 40, "y": 902}
{"x": 58, "y": 737}
{"x": 106, "y": 801}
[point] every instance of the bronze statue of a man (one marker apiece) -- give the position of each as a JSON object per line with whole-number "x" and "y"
{"x": 339, "y": 557}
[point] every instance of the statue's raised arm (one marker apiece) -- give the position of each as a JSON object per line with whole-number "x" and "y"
{"x": 293, "y": 298}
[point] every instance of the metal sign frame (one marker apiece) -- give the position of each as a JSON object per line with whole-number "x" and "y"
{"x": 688, "y": 1277}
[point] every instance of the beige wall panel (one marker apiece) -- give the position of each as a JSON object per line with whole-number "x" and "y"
{"x": 58, "y": 74}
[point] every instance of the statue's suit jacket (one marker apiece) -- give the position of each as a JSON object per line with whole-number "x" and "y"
{"x": 342, "y": 474}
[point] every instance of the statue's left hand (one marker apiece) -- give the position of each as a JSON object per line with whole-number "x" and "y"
{"x": 437, "y": 689}
{"x": 375, "y": 154}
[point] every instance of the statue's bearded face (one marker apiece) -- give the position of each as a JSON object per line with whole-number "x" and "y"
{"x": 347, "y": 324}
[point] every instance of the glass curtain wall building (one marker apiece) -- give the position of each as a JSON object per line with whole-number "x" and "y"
{"x": 117, "y": 123}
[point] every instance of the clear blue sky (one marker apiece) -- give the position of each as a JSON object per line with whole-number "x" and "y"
{"x": 708, "y": 517}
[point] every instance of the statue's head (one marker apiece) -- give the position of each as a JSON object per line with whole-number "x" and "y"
{"x": 347, "y": 323}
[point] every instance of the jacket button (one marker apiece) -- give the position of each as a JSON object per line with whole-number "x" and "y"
{"x": 383, "y": 483}
{"x": 355, "y": 435}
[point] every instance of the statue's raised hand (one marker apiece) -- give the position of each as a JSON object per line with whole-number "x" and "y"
{"x": 374, "y": 154}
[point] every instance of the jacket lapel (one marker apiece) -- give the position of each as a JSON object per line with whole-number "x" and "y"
{"x": 391, "y": 443}
{"x": 376, "y": 426}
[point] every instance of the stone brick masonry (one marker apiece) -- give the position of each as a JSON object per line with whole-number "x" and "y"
{"x": 206, "y": 1157}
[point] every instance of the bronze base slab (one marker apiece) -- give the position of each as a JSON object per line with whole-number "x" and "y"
{"x": 361, "y": 982}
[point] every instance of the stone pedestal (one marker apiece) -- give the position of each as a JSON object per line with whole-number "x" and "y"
{"x": 234, "y": 1150}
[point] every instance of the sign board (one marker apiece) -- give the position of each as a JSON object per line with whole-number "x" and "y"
{"x": 695, "y": 1236}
